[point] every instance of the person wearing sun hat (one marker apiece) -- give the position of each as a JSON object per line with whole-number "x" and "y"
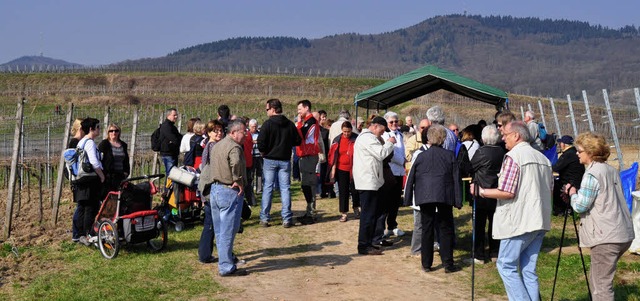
{"x": 569, "y": 169}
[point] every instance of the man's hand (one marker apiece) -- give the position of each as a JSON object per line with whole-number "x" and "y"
{"x": 240, "y": 188}
{"x": 392, "y": 139}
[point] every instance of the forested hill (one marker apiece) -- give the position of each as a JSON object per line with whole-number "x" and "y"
{"x": 521, "y": 55}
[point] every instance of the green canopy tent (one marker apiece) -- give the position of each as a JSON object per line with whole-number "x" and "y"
{"x": 424, "y": 81}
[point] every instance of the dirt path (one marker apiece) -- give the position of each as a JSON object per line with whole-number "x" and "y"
{"x": 320, "y": 262}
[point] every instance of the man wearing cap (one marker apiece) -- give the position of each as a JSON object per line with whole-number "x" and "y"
{"x": 570, "y": 170}
{"x": 368, "y": 152}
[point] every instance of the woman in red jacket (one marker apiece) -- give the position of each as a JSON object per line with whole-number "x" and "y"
{"x": 341, "y": 162}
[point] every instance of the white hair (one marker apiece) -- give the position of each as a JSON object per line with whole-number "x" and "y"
{"x": 436, "y": 115}
{"x": 253, "y": 122}
{"x": 530, "y": 114}
{"x": 490, "y": 135}
{"x": 390, "y": 115}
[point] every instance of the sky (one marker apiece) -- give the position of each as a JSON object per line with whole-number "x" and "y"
{"x": 104, "y": 32}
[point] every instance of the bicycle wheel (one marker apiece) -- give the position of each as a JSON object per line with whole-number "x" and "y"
{"x": 159, "y": 242}
{"x": 108, "y": 239}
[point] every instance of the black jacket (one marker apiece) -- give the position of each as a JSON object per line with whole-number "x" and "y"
{"x": 277, "y": 137}
{"x": 486, "y": 164}
{"x": 434, "y": 178}
{"x": 569, "y": 168}
{"x": 170, "y": 138}
{"x": 107, "y": 157}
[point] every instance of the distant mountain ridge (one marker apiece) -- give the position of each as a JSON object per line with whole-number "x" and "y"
{"x": 36, "y": 61}
{"x": 520, "y": 55}
{"x": 529, "y": 56}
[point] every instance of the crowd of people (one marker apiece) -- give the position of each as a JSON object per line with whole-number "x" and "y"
{"x": 377, "y": 165}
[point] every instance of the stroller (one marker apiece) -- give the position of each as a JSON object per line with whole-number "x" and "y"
{"x": 125, "y": 216}
{"x": 181, "y": 203}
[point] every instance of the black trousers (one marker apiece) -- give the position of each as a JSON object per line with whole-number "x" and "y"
{"x": 445, "y": 216}
{"x": 485, "y": 208}
{"x": 346, "y": 188}
{"x": 392, "y": 203}
{"x": 370, "y": 212}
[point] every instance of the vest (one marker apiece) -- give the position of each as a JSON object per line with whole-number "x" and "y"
{"x": 310, "y": 133}
{"x": 608, "y": 220}
{"x": 530, "y": 209}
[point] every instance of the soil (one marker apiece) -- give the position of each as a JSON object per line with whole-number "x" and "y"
{"x": 312, "y": 262}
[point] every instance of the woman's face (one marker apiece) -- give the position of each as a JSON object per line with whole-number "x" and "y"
{"x": 216, "y": 135}
{"x": 114, "y": 133}
{"x": 582, "y": 155}
{"x": 346, "y": 132}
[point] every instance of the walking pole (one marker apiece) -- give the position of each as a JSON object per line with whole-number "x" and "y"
{"x": 473, "y": 240}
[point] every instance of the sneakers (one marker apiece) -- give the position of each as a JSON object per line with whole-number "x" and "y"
{"x": 398, "y": 232}
{"x": 264, "y": 224}
{"x": 287, "y": 224}
{"x": 75, "y": 239}
{"x": 436, "y": 247}
{"x": 83, "y": 240}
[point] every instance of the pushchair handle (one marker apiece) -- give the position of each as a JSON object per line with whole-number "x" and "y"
{"x": 144, "y": 177}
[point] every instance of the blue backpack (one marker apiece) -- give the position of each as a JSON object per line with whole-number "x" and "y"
{"x": 542, "y": 132}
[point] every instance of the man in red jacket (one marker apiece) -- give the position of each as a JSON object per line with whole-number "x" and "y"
{"x": 308, "y": 152}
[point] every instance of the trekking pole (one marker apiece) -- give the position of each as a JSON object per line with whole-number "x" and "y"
{"x": 473, "y": 240}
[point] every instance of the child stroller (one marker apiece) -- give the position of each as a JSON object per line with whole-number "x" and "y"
{"x": 125, "y": 216}
{"x": 181, "y": 202}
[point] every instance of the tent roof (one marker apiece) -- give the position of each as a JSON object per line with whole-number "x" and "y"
{"x": 424, "y": 81}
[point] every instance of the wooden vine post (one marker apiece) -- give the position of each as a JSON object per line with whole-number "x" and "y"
{"x": 14, "y": 166}
{"x": 59, "y": 179}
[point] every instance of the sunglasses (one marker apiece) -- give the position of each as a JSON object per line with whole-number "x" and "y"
{"x": 114, "y": 131}
{"x": 393, "y": 121}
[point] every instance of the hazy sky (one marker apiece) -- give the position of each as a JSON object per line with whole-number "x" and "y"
{"x": 103, "y": 32}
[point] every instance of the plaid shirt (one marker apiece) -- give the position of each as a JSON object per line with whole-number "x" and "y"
{"x": 509, "y": 175}
{"x": 584, "y": 198}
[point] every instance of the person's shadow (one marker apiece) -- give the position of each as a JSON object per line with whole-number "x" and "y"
{"x": 266, "y": 259}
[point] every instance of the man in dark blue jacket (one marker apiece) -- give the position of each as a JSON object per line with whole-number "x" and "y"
{"x": 170, "y": 138}
{"x": 278, "y": 135}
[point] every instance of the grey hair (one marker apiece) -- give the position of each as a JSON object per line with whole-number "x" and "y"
{"x": 436, "y": 134}
{"x": 436, "y": 115}
{"x": 520, "y": 128}
{"x": 235, "y": 125}
{"x": 344, "y": 114}
{"x": 390, "y": 115}
{"x": 490, "y": 135}
{"x": 530, "y": 114}
{"x": 253, "y": 122}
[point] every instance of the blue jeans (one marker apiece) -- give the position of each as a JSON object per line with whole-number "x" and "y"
{"x": 520, "y": 251}
{"x": 169, "y": 162}
{"x": 272, "y": 169}
{"x": 205, "y": 247}
{"x": 226, "y": 208}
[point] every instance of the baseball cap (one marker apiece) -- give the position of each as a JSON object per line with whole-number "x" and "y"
{"x": 566, "y": 139}
{"x": 379, "y": 120}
